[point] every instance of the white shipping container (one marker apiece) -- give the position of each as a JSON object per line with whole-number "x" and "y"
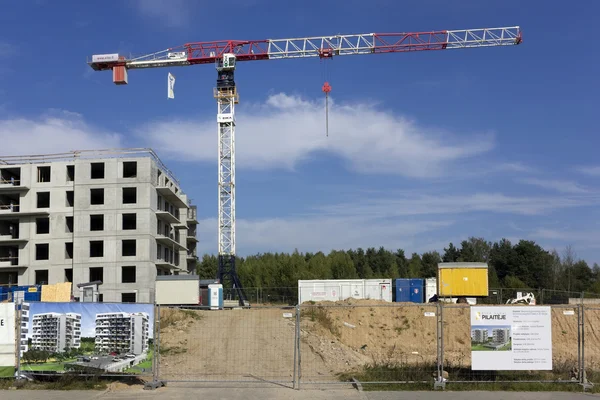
{"x": 430, "y": 288}
{"x": 177, "y": 289}
{"x": 341, "y": 289}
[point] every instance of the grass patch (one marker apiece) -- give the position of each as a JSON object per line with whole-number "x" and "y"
{"x": 7, "y": 372}
{"x": 51, "y": 366}
{"x": 512, "y": 380}
{"x": 319, "y": 314}
{"x": 62, "y": 382}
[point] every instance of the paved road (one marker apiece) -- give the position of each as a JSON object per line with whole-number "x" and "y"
{"x": 270, "y": 393}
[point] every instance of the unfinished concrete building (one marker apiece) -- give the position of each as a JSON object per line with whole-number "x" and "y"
{"x": 115, "y": 216}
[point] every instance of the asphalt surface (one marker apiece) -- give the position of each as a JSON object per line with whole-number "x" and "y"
{"x": 270, "y": 393}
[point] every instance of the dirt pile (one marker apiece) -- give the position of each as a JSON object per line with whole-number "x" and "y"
{"x": 334, "y": 338}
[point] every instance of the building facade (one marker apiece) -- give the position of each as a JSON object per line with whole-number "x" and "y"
{"x": 54, "y": 332}
{"x": 501, "y": 335}
{"x": 114, "y": 216}
{"x": 479, "y": 335}
{"x": 122, "y": 333}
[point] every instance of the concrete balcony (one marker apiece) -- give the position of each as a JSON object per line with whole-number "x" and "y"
{"x": 169, "y": 242}
{"x": 167, "y": 217}
{"x": 7, "y": 240}
{"x": 192, "y": 217}
{"x": 168, "y": 193}
{"x": 165, "y": 264}
{"x": 192, "y": 239}
{"x": 12, "y": 186}
{"x": 11, "y": 212}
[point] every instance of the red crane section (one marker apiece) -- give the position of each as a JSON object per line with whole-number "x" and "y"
{"x": 320, "y": 46}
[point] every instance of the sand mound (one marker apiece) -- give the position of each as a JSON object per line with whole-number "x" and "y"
{"x": 335, "y": 337}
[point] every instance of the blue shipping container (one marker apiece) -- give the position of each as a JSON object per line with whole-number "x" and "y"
{"x": 409, "y": 290}
{"x": 416, "y": 290}
{"x": 402, "y": 290}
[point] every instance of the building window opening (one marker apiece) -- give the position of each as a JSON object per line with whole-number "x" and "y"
{"x": 43, "y": 174}
{"x": 129, "y": 169}
{"x": 97, "y": 170}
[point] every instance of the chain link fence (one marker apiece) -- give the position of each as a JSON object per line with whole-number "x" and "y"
{"x": 375, "y": 343}
{"x": 366, "y": 341}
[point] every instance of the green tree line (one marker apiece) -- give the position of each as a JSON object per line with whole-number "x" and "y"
{"x": 521, "y": 265}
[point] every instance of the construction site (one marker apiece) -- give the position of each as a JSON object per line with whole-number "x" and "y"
{"x": 339, "y": 340}
{"x": 101, "y": 275}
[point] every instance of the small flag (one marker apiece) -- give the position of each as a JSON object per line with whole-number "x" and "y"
{"x": 171, "y": 83}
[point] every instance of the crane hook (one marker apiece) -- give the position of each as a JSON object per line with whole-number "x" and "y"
{"x": 326, "y": 89}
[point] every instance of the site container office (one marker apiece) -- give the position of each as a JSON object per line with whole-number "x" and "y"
{"x": 463, "y": 279}
{"x": 341, "y": 289}
{"x": 177, "y": 290}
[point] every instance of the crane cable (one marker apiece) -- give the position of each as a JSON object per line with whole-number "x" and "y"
{"x": 326, "y": 89}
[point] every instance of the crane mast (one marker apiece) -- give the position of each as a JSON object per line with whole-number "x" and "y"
{"x": 227, "y": 97}
{"x": 226, "y": 53}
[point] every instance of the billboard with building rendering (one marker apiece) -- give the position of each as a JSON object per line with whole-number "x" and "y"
{"x": 7, "y": 339}
{"x": 91, "y": 337}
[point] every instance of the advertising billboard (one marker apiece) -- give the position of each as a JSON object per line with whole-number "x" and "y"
{"x": 511, "y": 338}
{"x": 102, "y": 338}
{"x": 7, "y": 339}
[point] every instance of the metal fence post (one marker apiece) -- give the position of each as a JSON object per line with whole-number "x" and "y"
{"x": 296, "y": 334}
{"x": 155, "y": 384}
{"x": 298, "y": 362}
{"x": 582, "y": 375}
{"x": 440, "y": 382}
{"x": 579, "y": 340}
{"x": 18, "y": 339}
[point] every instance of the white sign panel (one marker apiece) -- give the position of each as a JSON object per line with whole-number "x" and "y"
{"x": 105, "y": 57}
{"x": 511, "y": 338}
{"x": 171, "y": 86}
{"x": 7, "y": 334}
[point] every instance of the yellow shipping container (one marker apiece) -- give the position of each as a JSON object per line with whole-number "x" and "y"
{"x": 462, "y": 279}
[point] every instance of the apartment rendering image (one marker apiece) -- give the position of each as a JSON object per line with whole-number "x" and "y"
{"x": 479, "y": 335}
{"x": 115, "y": 217}
{"x": 53, "y": 332}
{"x": 122, "y": 333}
{"x": 496, "y": 338}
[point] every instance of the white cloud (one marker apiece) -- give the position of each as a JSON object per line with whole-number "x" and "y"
{"x": 172, "y": 13}
{"x": 558, "y": 185}
{"x": 318, "y": 233}
{"x": 286, "y": 130}
{"x": 515, "y": 167}
{"x": 405, "y": 204}
{"x": 593, "y": 170}
{"x": 55, "y": 132}
{"x": 581, "y": 238}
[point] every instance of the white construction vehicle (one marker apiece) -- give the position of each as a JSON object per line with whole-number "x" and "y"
{"x": 527, "y": 298}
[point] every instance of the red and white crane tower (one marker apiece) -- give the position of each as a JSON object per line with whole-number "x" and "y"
{"x": 226, "y": 53}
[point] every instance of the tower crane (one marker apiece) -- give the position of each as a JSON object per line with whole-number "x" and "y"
{"x": 226, "y": 53}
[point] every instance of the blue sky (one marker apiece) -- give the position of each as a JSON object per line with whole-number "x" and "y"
{"x": 423, "y": 148}
{"x": 88, "y": 313}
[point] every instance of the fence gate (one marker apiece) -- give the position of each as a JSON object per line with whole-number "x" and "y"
{"x": 232, "y": 345}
